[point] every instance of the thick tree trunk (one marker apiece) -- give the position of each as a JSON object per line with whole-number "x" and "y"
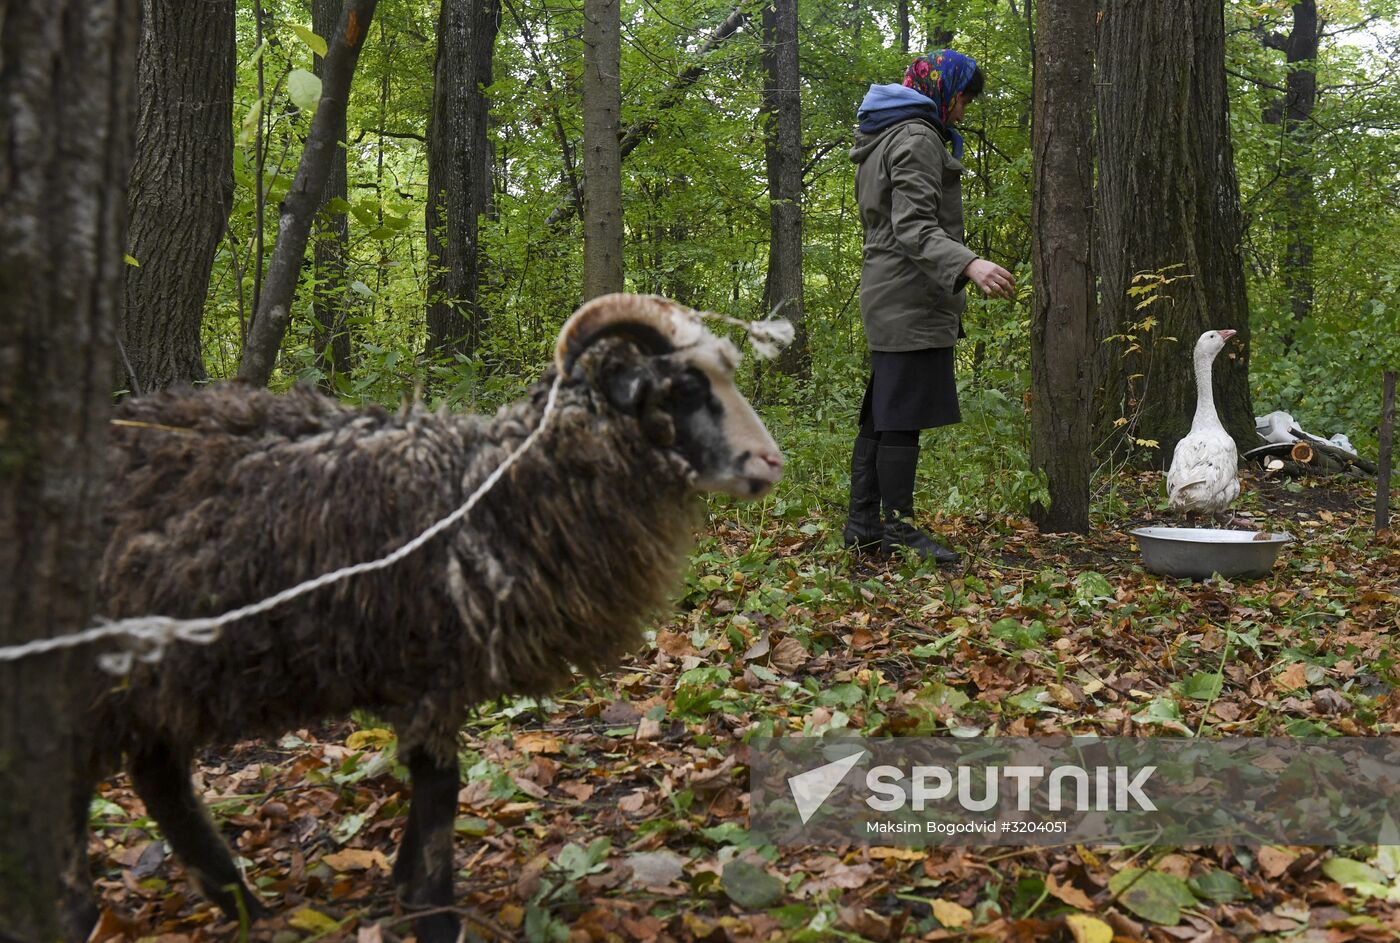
{"x": 1167, "y": 196}
{"x": 298, "y": 208}
{"x": 67, "y": 80}
{"x": 181, "y": 186}
{"x": 782, "y": 151}
{"x": 602, "y": 155}
{"x": 459, "y": 171}
{"x": 331, "y": 305}
{"x": 1294, "y": 114}
{"x": 1062, "y": 218}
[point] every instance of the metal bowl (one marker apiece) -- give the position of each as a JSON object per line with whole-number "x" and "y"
{"x": 1200, "y": 552}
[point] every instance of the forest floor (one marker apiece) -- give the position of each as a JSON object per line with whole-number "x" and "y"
{"x": 617, "y": 811}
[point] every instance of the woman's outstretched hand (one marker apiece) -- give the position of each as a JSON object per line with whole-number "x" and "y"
{"x": 995, "y": 281}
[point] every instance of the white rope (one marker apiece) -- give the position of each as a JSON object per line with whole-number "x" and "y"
{"x": 157, "y": 632}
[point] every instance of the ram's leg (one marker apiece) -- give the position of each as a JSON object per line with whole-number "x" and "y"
{"x": 162, "y": 780}
{"x": 423, "y": 868}
{"x": 79, "y": 913}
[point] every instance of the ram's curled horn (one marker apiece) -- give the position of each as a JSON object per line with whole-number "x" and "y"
{"x": 655, "y": 324}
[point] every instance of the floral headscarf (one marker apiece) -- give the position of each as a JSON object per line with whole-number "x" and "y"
{"x": 940, "y": 75}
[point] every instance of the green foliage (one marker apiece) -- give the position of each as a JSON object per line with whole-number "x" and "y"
{"x": 695, "y": 203}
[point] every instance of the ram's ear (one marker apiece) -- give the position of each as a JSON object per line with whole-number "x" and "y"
{"x": 653, "y": 324}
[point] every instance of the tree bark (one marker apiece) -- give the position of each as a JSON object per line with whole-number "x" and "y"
{"x": 1167, "y": 196}
{"x": 181, "y": 187}
{"x": 67, "y": 78}
{"x": 602, "y": 155}
{"x": 1062, "y": 218}
{"x": 1294, "y": 114}
{"x": 1384, "y": 453}
{"x": 782, "y": 149}
{"x": 298, "y": 207}
{"x": 459, "y": 171}
{"x": 331, "y": 304}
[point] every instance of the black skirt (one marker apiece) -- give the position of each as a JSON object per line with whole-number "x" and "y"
{"x": 911, "y": 389}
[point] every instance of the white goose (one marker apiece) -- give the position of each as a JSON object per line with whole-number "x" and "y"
{"x": 1204, "y": 477}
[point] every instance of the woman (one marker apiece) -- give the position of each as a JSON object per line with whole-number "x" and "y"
{"x": 909, "y": 187}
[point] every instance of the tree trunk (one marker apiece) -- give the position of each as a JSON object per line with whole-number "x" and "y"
{"x": 1062, "y": 219}
{"x": 902, "y": 20}
{"x": 782, "y": 151}
{"x": 331, "y": 304}
{"x": 1294, "y": 113}
{"x": 459, "y": 171}
{"x": 602, "y": 155}
{"x": 180, "y": 189}
{"x": 1167, "y": 196}
{"x": 67, "y": 78}
{"x": 298, "y": 208}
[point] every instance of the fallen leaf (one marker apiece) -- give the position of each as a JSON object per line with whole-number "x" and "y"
{"x": 898, "y": 854}
{"x": 1068, "y": 893}
{"x": 952, "y": 915}
{"x": 312, "y": 921}
{"x": 1087, "y": 929}
{"x": 357, "y": 859}
{"x": 1293, "y": 677}
{"x": 655, "y": 868}
{"x": 750, "y": 886}
{"x": 1273, "y": 860}
{"x": 538, "y": 742}
{"x": 788, "y": 655}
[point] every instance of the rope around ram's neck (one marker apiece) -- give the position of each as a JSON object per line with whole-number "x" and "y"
{"x": 156, "y": 633}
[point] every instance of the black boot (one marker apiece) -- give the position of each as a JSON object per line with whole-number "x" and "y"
{"x": 897, "y": 467}
{"x": 863, "y": 532}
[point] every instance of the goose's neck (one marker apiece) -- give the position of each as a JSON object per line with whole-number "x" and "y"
{"x": 1206, "y": 416}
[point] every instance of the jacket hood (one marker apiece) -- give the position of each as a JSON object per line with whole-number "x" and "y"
{"x": 883, "y": 98}
{"x": 884, "y": 107}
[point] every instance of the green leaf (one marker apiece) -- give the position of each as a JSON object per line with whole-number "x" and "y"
{"x": 131, "y": 260}
{"x": 1218, "y": 886}
{"x": 1091, "y": 588}
{"x": 304, "y": 89}
{"x": 1028, "y": 701}
{"x": 1350, "y": 873}
{"x": 841, "y": 695}
{"x": 1018, "y": 635}
{"x": 1201, "y": 686}
{"x": 317, "y": 44}
{"x": 750, "y": 886}
{"x": 1152, "y": 895}
{"x": 337, "y": 206}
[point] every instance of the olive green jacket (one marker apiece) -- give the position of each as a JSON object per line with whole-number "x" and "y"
{"x": 909, "y": 188}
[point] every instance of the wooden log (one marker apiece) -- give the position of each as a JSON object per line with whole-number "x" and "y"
{"x": 1387, "y": 440}
{"x": 1301, "y": 452}
{"x": 1342, "y": 455}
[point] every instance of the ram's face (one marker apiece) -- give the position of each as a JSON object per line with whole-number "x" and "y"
{"x": 717, "y": 431}
{"x": 678, "y": 381}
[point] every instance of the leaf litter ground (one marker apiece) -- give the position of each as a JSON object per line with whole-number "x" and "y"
{"x": 616, "y": 811}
